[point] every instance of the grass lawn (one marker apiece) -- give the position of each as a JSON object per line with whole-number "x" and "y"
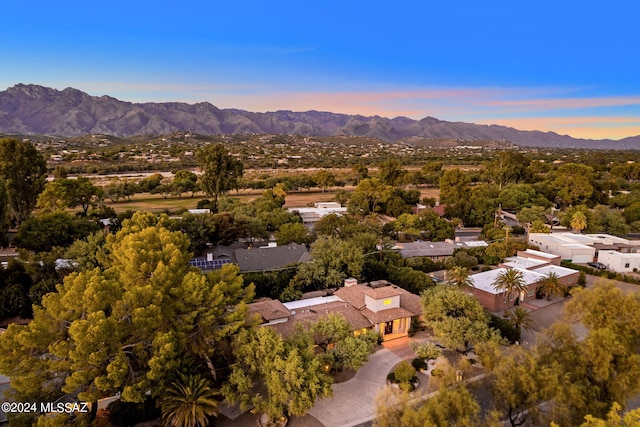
{"x": 156, "y": 203}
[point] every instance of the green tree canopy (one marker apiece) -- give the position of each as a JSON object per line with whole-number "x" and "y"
{"x": 332, "y": 261}
{"x": 221, "y": 171}
{"x": 57, "y": 229}
{"x": 123, "y": 326}
{"x": 275, "y": 376}
{"x": 456, "y": 318}
{"x": 24, "y": 172}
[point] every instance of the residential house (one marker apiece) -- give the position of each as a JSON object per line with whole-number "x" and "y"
{"x": 494, "y": 300}
{"x": 581, "y": 248}
{"x": 256, "y": 258}
{"x": 377, "y": 306}
{"x": 436, "y": 251}
{"x": 311, "y": 215}
{"x": 620, "y": 262}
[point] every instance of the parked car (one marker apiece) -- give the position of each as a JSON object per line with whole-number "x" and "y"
{"x": 598, "y": 265}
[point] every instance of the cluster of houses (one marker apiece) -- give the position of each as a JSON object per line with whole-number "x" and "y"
{"x": 615, "y": 253}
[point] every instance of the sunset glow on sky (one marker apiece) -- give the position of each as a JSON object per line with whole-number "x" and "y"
{"x": 569, "y": 67}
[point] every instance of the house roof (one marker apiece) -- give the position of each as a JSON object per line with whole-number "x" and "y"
{"x": 269, "y": 310}
{"x": 386, "y": 315}
{"x": 559, "y": 271}
{"x": 354, "y": 295}
{"x": 485, "y": 281}
{"x": 311, "y": 314}
{"x": 268, "y": 258}
{"x": 384, "y": 292}
{"x": 435, "y": 249}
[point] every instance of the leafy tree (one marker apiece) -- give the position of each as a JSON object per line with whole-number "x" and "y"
{"x": 341, "y": 349}
{"x": 361, "y": 172}
{"x": 60, "y": 229}
{"x": 84, "y": 193}
{"x": 508, "y": 166}
{"x": 221, "y": 171}
{"x": 600, "y": 368}
{"x": 574, "y": 183}
{"x": 606, "y": 220}
{"x": 368, "y": 197}
{"x": 325, "y": 179}
{"x": 632, "y": 213}
{"x": 4, "y": 213}
{"x": 292, "y": 232}
{"x": 288, "y": 372}
{"x": 511, "y": 282}
{"x": 538, "y": 226}
{"x": 519, "y": 385}
{"x": 332, "y": 261}
{"x": 24, "y": 172}
{"x": 455, "y": 192}
{"x": 551, "y": 285}
{"x": 391, "y": 172}
{"x": 189, "y": 401}
{"x": 614, "y": 419}
{"x": 519, "y": 196}
{"x": 122, "y": 327}
{"x": 456, "y": 317}
{"x": 531, "y": 214}
{"x": 15, "y": 284}
{"x": 453, "y": 405}
{"x": 185, "y": 181}
{"x": 427, "y": 350}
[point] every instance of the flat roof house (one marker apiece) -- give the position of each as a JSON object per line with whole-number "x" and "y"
{"x": 497, "y": 301}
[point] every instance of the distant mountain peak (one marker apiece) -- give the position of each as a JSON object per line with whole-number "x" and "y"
{"x": 35, "y": 109}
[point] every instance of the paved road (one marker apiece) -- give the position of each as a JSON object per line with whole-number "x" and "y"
{"x": 353, "y": 401}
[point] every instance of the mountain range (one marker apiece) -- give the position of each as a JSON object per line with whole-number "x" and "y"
{"x": 28, "y": 109}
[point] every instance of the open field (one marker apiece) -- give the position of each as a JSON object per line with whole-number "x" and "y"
{"x": 155, "y": 202}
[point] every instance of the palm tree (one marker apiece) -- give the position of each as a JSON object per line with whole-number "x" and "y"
{"x": 551, "y": 285}
{"x": 459, "y": 276}
{"x": 578, "y": 221}
{"x": 189, "y": 402}
{"x": 520, "y": 318}
{"x": 510, "y": 281}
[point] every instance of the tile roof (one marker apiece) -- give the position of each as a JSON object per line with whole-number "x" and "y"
{"x": 386, "y": 315}
{"x": 269, "y": 310}
{"x": 312, "y": 314}
{"x": 385, "y": 292}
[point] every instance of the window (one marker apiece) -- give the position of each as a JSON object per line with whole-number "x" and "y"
{"x": 570, "y": 280}
{"x": 387, "y": 301}
{"x": 626, "y": 265}
{"x": 530, "y": 293}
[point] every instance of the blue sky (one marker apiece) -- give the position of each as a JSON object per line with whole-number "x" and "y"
{"x": 572, "y": 67}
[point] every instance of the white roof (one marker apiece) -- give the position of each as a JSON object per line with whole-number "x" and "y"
{"x": 560, "y": 271}
{"x": 485, "y": 280}
{"x": 617, "y": 254}
{"x": 310, "y": 302}
{"x": 540, "y": 254}
{"x": 522, "y": 262}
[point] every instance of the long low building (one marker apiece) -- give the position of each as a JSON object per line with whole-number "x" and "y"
{"x": 484, "y": 285}
{"x": 581, "y": 248}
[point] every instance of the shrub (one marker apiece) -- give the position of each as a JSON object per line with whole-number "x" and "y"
{"x": 437, "y": 372}
{"x": 405, "y": 373}
{"x": 426, "y": 350}
{"x": 419, "y": 364}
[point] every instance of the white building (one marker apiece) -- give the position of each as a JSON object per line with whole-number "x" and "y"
{"x": 620, "y": 262}
{"x": 564, "y": 245}
{"x": 311, "y": 215}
